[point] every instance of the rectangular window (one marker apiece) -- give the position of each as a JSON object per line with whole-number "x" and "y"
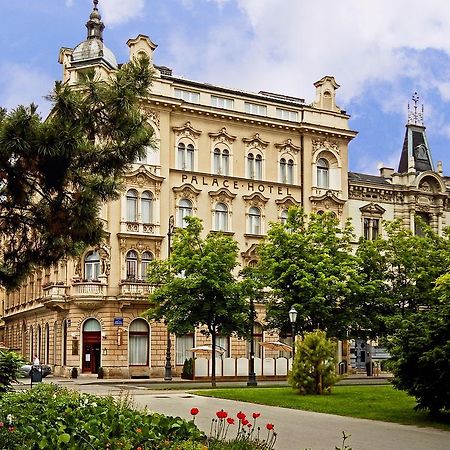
{"x": 138, "y": 349}
{"x": 254, "y": 108}
{"x": 287, "y": 114}
{"x": 224, "y": 343}
{"x": 187, "y": 96}
{"x": 183, "y": 345}
{"x": 371, "y": 228}
{"x": 222, "y": 102}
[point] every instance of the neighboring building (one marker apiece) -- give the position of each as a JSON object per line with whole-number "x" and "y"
{"x": 238, "y": 160}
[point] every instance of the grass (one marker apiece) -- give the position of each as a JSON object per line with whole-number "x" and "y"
{"x": 365, "y": 402}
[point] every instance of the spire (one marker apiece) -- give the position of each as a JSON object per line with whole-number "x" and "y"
{"x": 416, "y": 155}
{"x": 95, "y": 25}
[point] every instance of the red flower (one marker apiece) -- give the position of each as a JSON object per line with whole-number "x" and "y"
{"x": 244, "y": 421}
{"x": 256, "y": 415}
{"x": 139, "y": 448}
{"x": 269, "y": 426}
{"x": 138, "y": 430}
{"x": 249, "y": 425}
{"x": 194, "y": 411}
{"x": 221, "y": 414}
{"x": 230, "y": 420}
{"x": 2, "y": 424}
{"x": 240, "y": 415}
{"x": 11, "y": 429}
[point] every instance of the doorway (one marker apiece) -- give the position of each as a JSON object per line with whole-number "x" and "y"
{"x": 91, "y": 346}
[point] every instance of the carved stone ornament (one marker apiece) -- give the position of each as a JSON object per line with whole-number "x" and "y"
{"x": 250, "y": 254}
{"x": 286, "y": 202}
{"x": 288, "y": 147}
{"x": 372, "y": 209}
{"x": 187, "y": 130}
{"x": 154, "y": 117}
{"x": 325, "y": 144}
{"x": 327, "y": 202}
{"x": 255, "y": 142}
{"x": 255, "y": 199}
{"x": 222, "y": 136}
{"x": 143, "y": 178}
{"x": 222, "y": 195}
{"x": 186, "y": 191}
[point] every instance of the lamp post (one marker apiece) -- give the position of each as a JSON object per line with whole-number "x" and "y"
{"x": 251, "y": 363}
{"x": 168, "y": 366}
{"x": 293, "y": 318}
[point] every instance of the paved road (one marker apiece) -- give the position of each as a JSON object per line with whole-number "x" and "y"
{"x": 296, "y": 429}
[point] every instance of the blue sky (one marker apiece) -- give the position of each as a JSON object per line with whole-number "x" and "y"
{"x": 380, "y": 52}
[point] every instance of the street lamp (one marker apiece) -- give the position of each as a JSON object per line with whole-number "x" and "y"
{"x": 251, "y": 363}
{"x": 293, "y": 318}
{"x": 168, "y": 366}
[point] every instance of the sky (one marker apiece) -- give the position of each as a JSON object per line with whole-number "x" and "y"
{"x": 379, "y": 51}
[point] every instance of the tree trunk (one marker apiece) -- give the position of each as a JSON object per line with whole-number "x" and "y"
{"x": 213, "y": 356}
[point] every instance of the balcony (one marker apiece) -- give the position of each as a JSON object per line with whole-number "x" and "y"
{"x": 139, "y": 228}
{"x": 136, "y": 289}
{"x": 88, "y": 294}
{"x": 319, "y": 192}
{"x": 54, "y": 295}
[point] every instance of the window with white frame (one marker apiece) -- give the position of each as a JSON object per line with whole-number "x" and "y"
{"x": 221, "y": 161}
{"x": 132, "y": 204}
{"x": 254, "y": 220}
{"x": 255, "y": 108}
{"x": 221, "y": 217}
{"x": 92, "y": 266}
{"x": 132, "y": 265}
{"x": 147, "y": 207}
{"x": 185, "y": 156}
{"x": 222, "y": 102}
{"x": 187, "y": 96}
{"x": 286, "y": 170}
{"x": 146, "y": 258}
{"x": 138, "y": 343}
{"x": 223, "y": 342}
{"x": 287, "y": 114}
{"x": 323, "y": 173}
{"x": 184, "y": 210}
{"x": 183, "y": 345}
{"x": 254, "y": 166}
{"x": 284, "y": 215}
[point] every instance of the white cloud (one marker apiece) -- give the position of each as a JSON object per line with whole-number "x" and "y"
{"x": 69, "y": 3}
{"x": 21, "y": 85}
{"x": 115, "y": 12}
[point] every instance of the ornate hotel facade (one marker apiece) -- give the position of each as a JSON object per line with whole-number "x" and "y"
{"x": 238, "y": 160}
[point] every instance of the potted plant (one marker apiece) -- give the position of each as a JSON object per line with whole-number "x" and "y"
{"x": 188, "y": 369}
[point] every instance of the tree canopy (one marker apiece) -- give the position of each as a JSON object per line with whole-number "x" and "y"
{"x": 54, "y": 174}
{"x": 307, "y": 263}
{"x": 198, "y": 287}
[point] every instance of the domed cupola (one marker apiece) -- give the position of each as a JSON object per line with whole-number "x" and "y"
{"x": 92, "y": 50}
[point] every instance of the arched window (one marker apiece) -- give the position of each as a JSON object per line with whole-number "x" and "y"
{"x": 47, "y": 344}
{"x": 283, "y": 175}
{"x": 225, "y": 162}
{"x": 138, "y": 343}
{"x": 39, "y": 342}
{"x": 184, "y": 210}
{"x": 132, "y": 202}
{"x": 323, "y": 179}
{"x": 254, "y": 220}
{"x": 290, "y": 172}
{"x": 92, "y": 266}
{"x": 258, "y": 167}
{"x": 31, "y": 343}
{"x": 132, "y": 260}
{"x": 185, "y": 156}
{"x": 284, "y": 215}
{"x": 221, "y": 217}
{"x": 55, "y": 340}
{"x": 147, "y": 257}
{"x": 64, "y": 343}
{"x": 147, "y": 207}
{"x": 216, "y": 162}
{"x": 251, "y": 165}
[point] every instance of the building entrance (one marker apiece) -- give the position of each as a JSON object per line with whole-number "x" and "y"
{"x": 91, "y": 346}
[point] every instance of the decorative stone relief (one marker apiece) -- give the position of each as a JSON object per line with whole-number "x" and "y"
{"x": 187, "y": 130}
{"x": 222, "y": 136}
{"x": 321, "y": 144}
{"x": 223, "y": 195}
{"x": 154, "y": 117}
{"x": 186, "y": 191}
{"x": 288, "y": 147}
{"x": 255, "y": 142}
{"x": 255, "y": 199}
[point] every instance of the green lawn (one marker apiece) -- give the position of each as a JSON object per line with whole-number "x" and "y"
{"x": 368, "y": 402}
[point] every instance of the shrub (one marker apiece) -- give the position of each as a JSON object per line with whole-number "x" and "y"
{"x": 313, "y": 370}
{"x": 10, "y": 363}
{"x": 49, "y": 416}
{"x": 188, "y": 369}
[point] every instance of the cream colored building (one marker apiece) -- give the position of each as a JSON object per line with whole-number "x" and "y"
{"x": 236, "y": 159}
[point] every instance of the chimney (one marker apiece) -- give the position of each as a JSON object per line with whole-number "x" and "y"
{"x": 386, "y": 172}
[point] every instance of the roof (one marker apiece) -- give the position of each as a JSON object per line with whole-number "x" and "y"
{"x": 365, "y": 178}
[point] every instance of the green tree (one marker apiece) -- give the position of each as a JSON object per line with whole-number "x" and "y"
{"x": 198, "y": 287}
{"x": 307, "y": 263}
{"x": 420, "y": 351}
{"x": 314, "y": 367}
{"x": 399, "y": 274}
{"x": 10, "y": 363}
{"x": 54, "y": 174}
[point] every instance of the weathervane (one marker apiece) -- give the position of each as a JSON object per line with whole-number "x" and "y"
{"x": 95, "y": 4}
{"x": 415, "y": 117}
